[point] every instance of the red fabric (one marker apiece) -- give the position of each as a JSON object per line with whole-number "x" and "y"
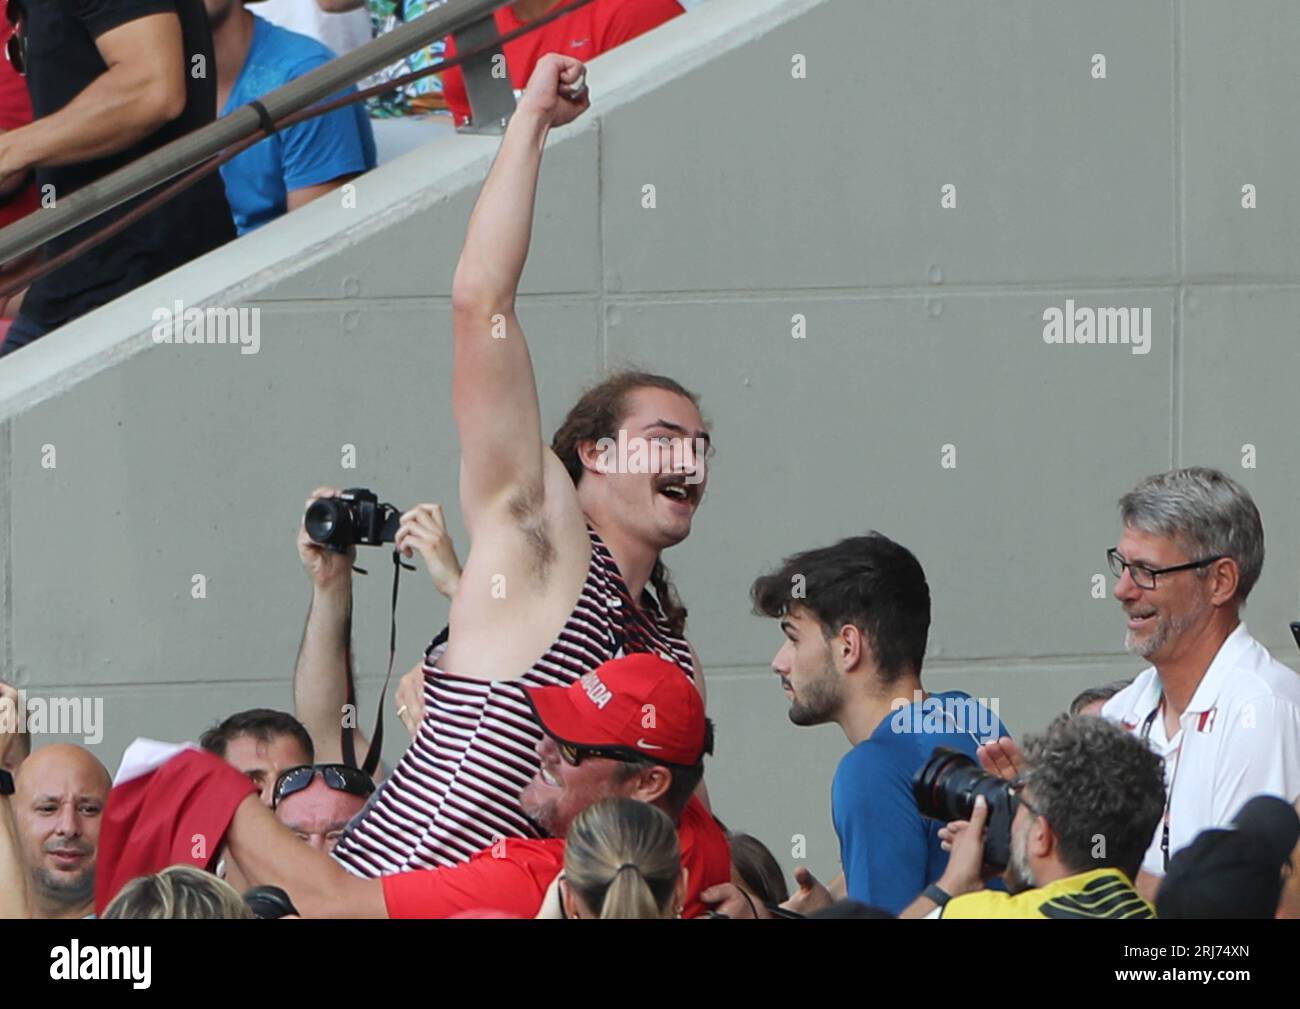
{"x": 176, "y": 814}
{"x": 512, "y": 876}
{"x": 586, "y": 33}
{"x": 15, "y": 111}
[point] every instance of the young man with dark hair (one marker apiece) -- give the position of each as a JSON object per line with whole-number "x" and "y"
{"x": 261, "y": 743}
{"x": 1087, "y": 799}
{"x": 856, "y": 617}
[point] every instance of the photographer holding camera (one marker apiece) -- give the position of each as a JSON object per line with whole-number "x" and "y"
{"x": 1082, "y": 810}
{"x": 333, "y": 523}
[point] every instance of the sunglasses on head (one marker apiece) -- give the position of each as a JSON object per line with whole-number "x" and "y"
{"x": 339, "y": 777}
{"x": 16, "y": 47}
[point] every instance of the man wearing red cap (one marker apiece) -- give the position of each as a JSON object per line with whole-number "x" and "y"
{"x": 634, "y": 728}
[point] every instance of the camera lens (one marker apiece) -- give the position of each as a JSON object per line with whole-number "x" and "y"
{"x": 329, "y": 522}
{"x": 945, "y": 789}
{"x": 943, "y": 786}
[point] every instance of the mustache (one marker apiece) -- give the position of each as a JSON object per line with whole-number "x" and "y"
{"x": 80, "y": 847}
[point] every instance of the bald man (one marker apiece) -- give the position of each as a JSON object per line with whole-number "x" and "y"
{"x": 319, "y": 812}
{"x": 58, "y": 797}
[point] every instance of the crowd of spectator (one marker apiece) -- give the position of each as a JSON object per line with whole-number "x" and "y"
{"x": 88, "y": 89}
{"x": 559, "y": 733}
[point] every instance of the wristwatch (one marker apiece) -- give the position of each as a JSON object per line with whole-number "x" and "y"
{"x": 6, "y": 782}
{"x": 937, "y": 894}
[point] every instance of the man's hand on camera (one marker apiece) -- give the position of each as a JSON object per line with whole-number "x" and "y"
{"x": 327, "y": 569}
{"x": 1001, "y": 757}
{"x": 424, "y": 529}
{"x": 964, "y": 841}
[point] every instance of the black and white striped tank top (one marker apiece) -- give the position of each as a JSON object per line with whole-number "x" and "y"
{"x": 456, "y": 789}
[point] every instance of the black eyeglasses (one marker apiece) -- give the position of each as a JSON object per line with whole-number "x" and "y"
{"x": 1017, "y": 789}
{"x": 16, "y": 47}
{"x": 1145, "y": 577}
{"x": 339, "y": 777}
{"x": 575, "y": 755}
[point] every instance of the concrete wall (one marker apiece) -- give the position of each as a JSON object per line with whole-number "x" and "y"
{"x": 776, "y": 196}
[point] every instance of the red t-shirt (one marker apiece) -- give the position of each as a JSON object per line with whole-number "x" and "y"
{"x": 15, "y": 111}
{"x": 513, "y": 875}
{"x": 587, "y": 32}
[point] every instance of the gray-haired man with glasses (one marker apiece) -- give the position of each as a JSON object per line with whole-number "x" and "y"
{"x": 1220, "y": 710}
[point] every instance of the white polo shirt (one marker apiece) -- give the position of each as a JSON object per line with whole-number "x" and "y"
{"x": 1238, "y": 738}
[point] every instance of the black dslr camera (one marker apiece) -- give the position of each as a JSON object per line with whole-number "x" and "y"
{"x": 945, "y": 789}
{"x": 355, "y": 516}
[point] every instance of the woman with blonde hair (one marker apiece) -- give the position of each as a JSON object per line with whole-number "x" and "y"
{"x": 622, "y": 860}
{"x": 179, "y": 891}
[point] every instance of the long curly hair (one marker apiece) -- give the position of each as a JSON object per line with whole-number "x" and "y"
{"x": 598, "y": 414}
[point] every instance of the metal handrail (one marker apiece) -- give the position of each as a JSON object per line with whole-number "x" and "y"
{"x": 185, "y": 152}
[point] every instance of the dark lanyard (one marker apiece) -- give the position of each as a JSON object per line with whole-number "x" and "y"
{"x": 1169, "y": 795}
{"x": 371, "y": 763}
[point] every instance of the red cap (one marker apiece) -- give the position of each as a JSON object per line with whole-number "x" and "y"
{"x": 640, "y": 703}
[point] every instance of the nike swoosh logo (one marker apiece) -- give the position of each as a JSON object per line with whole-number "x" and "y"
{"x": 582, "y": 42}
{"x": 641, "y": 744}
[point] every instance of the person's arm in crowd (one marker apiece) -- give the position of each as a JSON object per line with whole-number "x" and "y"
{"x": 296, "y": 198}
{"x": 965, "y": 841}
{"x": 320, "y": 675}
{"x": 267, "y": 853}
{"x": 142, "y": 88}
{"x": 424, "y": 529}
{"x": 494, "y": 392}
{"x": 13, "y": 880}
{"x": 320, "y": 154}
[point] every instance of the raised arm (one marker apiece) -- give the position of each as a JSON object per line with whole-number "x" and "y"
{"x": 494, "y": 394}
{"x": 13, "y": 879}
{"x": 319, "y": 676}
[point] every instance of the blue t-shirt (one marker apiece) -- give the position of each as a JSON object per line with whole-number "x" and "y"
{"x": 890, "y": 853}
{"x": 309, "y": 153}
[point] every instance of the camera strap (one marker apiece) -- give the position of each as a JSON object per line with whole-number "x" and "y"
{"x": 348, "y": 745}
